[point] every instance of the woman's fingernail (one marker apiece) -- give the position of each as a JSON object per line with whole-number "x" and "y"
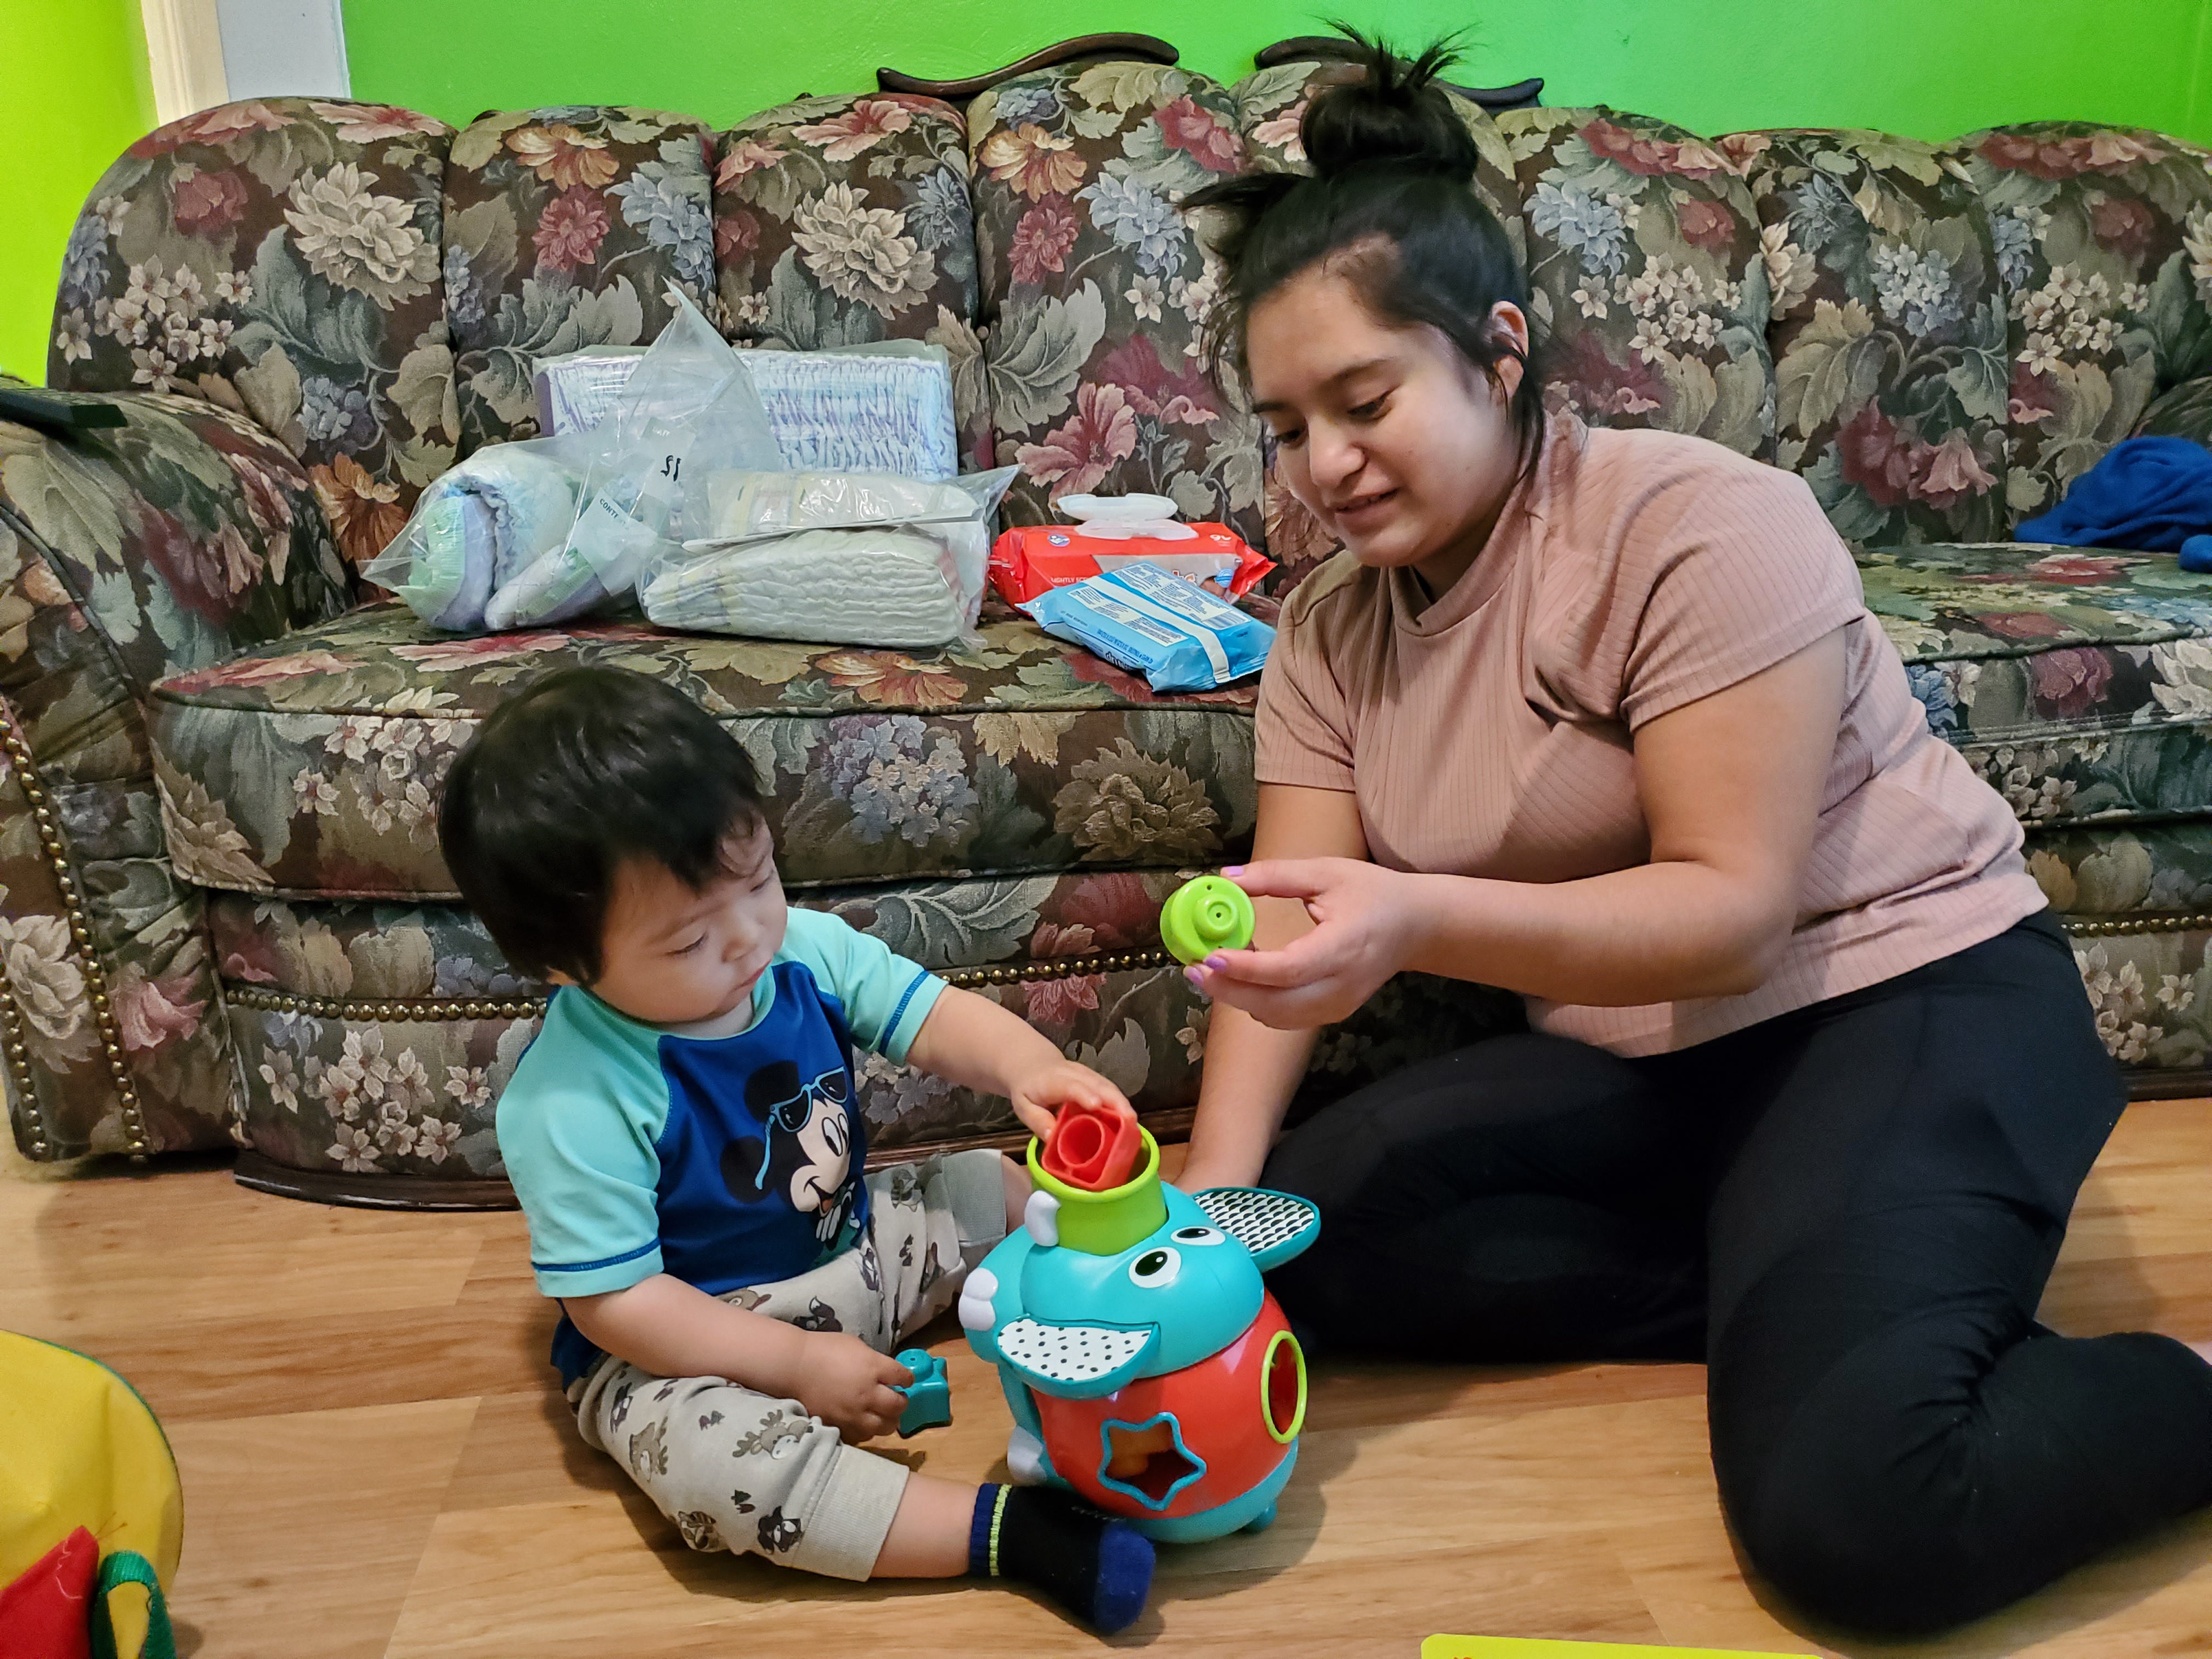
{"x": 1232, "y": 869}
{"x": 1217, "y": 962}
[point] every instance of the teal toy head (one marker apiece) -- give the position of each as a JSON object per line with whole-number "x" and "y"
{"x": 1100, "y": 1288}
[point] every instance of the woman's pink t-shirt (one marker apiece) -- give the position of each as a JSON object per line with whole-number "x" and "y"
{"x": 1491, "y": 734}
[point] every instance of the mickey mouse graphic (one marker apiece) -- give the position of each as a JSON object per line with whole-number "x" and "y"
{"x": 804, "y": 1150}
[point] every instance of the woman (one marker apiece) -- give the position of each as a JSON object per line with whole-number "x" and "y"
{"x": 1600, "y": 717}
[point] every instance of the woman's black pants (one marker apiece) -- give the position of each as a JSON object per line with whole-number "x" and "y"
{"x": 1848, "y": 1211}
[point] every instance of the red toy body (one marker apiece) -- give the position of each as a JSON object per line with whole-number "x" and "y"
{"x": 1218, "y": 1428}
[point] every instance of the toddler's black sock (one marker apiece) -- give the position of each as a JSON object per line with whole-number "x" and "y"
{"x": 1098, "y": 1568}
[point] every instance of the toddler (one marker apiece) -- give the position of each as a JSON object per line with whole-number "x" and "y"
{"x": 685, "y": 1141}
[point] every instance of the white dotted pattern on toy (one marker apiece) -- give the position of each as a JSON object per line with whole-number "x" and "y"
{"x": 1070, "y": 1353}
{"x": 1257, "y": 1220}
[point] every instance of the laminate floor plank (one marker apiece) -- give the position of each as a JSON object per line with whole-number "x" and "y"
{"x": 377, "y": 1465}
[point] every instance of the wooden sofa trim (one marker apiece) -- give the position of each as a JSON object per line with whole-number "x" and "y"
{"x": 1147, "y": 48}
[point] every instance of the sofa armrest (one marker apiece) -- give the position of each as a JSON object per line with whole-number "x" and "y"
{"x": 2183, "y": 411}
{"x": 171, "y": 540}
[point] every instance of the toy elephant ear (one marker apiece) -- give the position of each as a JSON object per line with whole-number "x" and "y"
{"x": 1274, "y": 1226}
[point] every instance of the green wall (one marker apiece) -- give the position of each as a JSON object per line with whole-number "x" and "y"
{"x": 74, "y": 92}
{"x": 1930, "y": 68}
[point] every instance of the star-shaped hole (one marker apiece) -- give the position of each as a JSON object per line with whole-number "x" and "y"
{"x": 1148, "y": 1458}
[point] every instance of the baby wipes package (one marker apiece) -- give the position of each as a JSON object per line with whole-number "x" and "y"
{"x": 1158, "y": 625}
{"x": 1112, "y": 531}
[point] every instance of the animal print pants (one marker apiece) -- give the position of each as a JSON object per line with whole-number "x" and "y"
{"x": 739, "y": 1470}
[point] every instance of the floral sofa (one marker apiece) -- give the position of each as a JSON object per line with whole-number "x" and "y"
{"x": 224, "y": 917}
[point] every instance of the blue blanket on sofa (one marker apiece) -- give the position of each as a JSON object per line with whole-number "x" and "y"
{"x": 2145, "y": 493}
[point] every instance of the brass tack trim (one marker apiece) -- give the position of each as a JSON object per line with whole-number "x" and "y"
{"x": 19, "y": 1071}
{"x": 386, "y": 1008}
{"x": 2143, "y": 924}
{"x": 136, "y": 1141}
{"x": 261, "y": 1000}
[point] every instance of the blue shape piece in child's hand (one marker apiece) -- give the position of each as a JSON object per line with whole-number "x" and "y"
{"x": 2196, "y": 553}
{"x": 928, "y": 1397}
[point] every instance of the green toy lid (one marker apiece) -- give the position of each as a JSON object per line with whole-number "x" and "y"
{"x": 1202, "y": 916}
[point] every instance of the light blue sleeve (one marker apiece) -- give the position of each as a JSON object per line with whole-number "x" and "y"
{"x": 886, "y": 997}
{"x": 577, "y": 1127}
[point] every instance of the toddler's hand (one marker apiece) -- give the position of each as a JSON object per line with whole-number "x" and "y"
{"x": 848, "y": 1384}
{"x": 1037, "y": 1094}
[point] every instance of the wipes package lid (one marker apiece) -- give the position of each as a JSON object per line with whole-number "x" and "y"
{"x": 1158, "y": 625}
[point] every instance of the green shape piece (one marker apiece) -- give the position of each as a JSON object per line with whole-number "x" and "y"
{"x": 1202, "y": 916}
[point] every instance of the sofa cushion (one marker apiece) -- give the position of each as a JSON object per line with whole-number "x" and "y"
{"x": 280, "y": 256}
{"x": 1094, "y": 287}
{"x": 377, "y": 1038}
{"x": 2104, "y": 242}
{"x": 844, "y": 221}
{"x": 1888, "y": 334}
{"x": 563, "y": 228}
{"x": 1644, "y": 251}
{"x": 2077, "y": 680}
{"x": 312, "y": 767}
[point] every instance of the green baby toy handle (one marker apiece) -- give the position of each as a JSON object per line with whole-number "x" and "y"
{"x": 1202, "y": 916}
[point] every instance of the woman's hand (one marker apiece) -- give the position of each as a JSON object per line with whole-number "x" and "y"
{"x": 1367, "y": 921}
{"x": 1039, "y": 1091}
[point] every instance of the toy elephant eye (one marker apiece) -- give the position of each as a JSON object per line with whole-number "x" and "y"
{"x": 1156, "y": 1270}
{"x": 1197, "y": 1236}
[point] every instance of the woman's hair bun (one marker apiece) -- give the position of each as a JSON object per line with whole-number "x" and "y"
{"x": 1394, "y": 115}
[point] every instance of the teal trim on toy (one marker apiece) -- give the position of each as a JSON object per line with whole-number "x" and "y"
{"x": 1175, "y": 1434}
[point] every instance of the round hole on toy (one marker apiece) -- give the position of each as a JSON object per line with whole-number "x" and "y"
{"x": 1197, "y": 1236}
{"x": 1156, "y": 1269}
{"x": 1283, "y": 1387}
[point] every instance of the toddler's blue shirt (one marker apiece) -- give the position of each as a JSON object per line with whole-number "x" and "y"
{"x": 723, "y": 1161}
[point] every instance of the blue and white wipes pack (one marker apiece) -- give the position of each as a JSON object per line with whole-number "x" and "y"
{"x": 1158, "y": 625}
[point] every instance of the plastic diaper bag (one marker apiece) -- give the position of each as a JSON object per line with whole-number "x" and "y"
{"x": 1158, "y": 625}
{"x": 688, "y": 411}
{"x": 839, "y": 557}
{"x": 521, "y": 535}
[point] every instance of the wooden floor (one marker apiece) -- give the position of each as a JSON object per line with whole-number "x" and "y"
{"x": 374, "y": 1463}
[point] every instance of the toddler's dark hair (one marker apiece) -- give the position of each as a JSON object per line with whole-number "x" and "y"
{"x": 583, "y": 769}
{"x": 1390, "y": 205}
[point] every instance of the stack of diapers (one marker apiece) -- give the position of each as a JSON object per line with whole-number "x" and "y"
{"x": 880, "y": 408}
{"x": 884, "y": 409}
{"x": 846, "y": 558}
{"x": 524, "y": 535}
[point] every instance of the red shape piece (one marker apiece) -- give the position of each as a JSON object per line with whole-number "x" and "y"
{"x": 48, "y": 1613}
{"x": 1092, "y": 1147}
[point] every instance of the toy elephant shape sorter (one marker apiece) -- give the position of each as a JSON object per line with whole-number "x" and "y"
{"x": 1146, "y": 1365}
